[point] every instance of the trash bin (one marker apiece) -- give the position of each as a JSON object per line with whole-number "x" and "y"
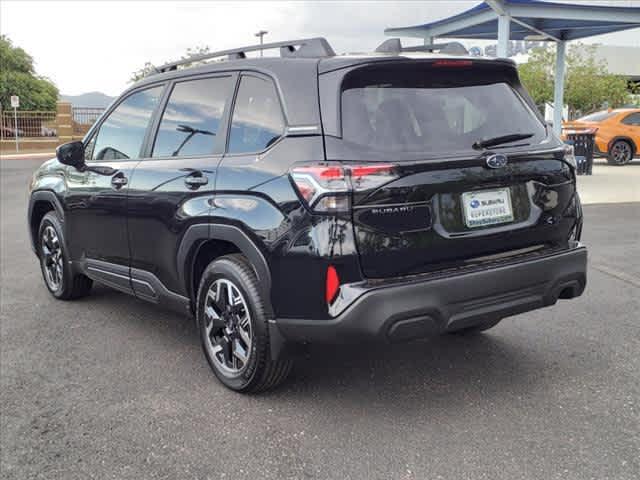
{"x": 583, "y": 144}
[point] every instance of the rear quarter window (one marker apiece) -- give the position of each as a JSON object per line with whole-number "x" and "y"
{"x": 632, "y": 119}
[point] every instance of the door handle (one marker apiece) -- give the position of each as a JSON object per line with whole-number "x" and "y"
{"x": 119, "y": 181}
{"x": 196, "y": 180}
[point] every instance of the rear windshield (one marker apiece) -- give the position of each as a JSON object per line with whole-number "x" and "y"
{"x": 433, "y": 113}
{"x": 597, "y": 116}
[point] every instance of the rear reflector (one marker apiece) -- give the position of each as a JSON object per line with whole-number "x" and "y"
{"x": 332, "y": 284}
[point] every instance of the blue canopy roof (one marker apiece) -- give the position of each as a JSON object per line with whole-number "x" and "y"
{"x": 559, "y": 21}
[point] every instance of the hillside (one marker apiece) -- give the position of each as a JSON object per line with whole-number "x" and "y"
{"x": 90, "y": 99}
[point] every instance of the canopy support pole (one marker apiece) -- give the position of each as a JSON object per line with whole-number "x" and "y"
{"x": 558, "y": 88}
{"x": 429, "y": 41}
{"x": 503, "y": 35}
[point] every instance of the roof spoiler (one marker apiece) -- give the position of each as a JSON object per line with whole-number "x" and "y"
{"x": 307, "y": 48}
{"x": 394, "y": 46}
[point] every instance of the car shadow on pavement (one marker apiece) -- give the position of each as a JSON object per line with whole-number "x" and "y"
{"x": 445, "y": 368}
{"x": 449, "y": 369}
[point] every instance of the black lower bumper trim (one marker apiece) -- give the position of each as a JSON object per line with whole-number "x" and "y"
{"x": 419, "y": 309}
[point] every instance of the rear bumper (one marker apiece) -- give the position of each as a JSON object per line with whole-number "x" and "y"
{"x": 416, "y": 309}
{"x": 600, "y": 147}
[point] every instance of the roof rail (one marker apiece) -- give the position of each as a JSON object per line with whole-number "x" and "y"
{"x": 307, "y": 48}
{"x": 393, "y": 45}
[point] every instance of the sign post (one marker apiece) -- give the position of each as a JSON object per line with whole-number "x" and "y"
{"x": 15, "y": 104}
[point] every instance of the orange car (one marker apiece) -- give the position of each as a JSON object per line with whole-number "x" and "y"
{"x": 617, "y": 133}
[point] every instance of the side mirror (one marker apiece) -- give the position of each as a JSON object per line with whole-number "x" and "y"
{"x": 71, "y": 154}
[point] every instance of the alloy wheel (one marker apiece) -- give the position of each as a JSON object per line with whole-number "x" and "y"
{"x": 52, "y": 258}
{"x": 621, "y": 152}
{"x": 228, "y": 333}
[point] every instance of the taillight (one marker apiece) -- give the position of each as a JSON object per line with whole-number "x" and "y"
{"x": 326, "y": 188}
{"x": 570, "y": 156}
{"x": 366, "y": 177}
{"x": 578, "y": 130}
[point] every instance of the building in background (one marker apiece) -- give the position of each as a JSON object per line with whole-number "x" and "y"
{"x": 624, "y": 61}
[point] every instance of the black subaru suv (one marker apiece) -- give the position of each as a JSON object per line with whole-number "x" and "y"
{"x": 311, "y": 197}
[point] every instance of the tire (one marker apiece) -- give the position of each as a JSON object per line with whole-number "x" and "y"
{"x": 57, "y": 273}
{"x": 235, "y": 334}
{"x": 620, "y": 153}
{"x": 475, "y": 329}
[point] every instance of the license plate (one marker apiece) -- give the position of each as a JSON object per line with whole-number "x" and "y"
{"x": 487, "y": 207}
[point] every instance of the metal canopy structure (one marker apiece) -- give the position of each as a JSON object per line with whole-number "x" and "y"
{"x": 506, "y": 20}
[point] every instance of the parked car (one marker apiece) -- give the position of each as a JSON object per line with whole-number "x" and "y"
{"x": 48, "y": 131}
{"x": 10, "y": 132}
{"x": 617, "y": 133}
{"x": 316, "y": 198}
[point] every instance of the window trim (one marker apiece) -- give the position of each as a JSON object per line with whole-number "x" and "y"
{"x": 95, "y": 129}
{"x": 224, "y": 120}
{"x": 285, "y": 121}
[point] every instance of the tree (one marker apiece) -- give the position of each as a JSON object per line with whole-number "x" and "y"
{"x": 18, "y": 77}
{"x": 149, "y": 68}
{"x": 588, "y": 85}
{"x": 537, "y": 75}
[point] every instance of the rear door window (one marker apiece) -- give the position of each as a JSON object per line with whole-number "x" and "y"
{"x": 191, "y": 121}
{"x": 257, "y": 120}
{"x": 432, "y": 113}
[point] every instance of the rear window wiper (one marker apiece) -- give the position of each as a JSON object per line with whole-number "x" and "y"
{"x": 490, "y": 142}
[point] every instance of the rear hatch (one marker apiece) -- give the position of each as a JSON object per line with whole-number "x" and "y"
{"x": 446, "y": 202}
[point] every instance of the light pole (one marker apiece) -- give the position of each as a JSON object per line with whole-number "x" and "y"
{"x": 261, "y": 34}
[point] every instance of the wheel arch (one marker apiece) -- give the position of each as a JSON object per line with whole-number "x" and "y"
{"x": 204, "y": 241}
{"x": 40, "y": 203}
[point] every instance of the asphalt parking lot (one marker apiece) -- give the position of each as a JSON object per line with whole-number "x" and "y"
{"x": 112, "y": 387}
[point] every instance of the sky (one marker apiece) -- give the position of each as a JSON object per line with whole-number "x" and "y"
{"x": 85, "y": 46}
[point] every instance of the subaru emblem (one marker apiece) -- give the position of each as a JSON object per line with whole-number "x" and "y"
{"x": 497, "y": 161}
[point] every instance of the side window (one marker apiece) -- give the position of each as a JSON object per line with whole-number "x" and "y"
{"x": 122, "y": 133}
{"x": 191, "y": 119}
{"x": 257, "y": 116}
{"x": 633, "y": 119}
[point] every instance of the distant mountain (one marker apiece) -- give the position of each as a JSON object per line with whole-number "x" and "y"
{"x": 90, "y": 99}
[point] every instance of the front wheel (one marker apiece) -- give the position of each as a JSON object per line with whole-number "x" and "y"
{"x": 233, "y": 326}
{"x": 58, "y": 275}
{"x": 620, "y": 153}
